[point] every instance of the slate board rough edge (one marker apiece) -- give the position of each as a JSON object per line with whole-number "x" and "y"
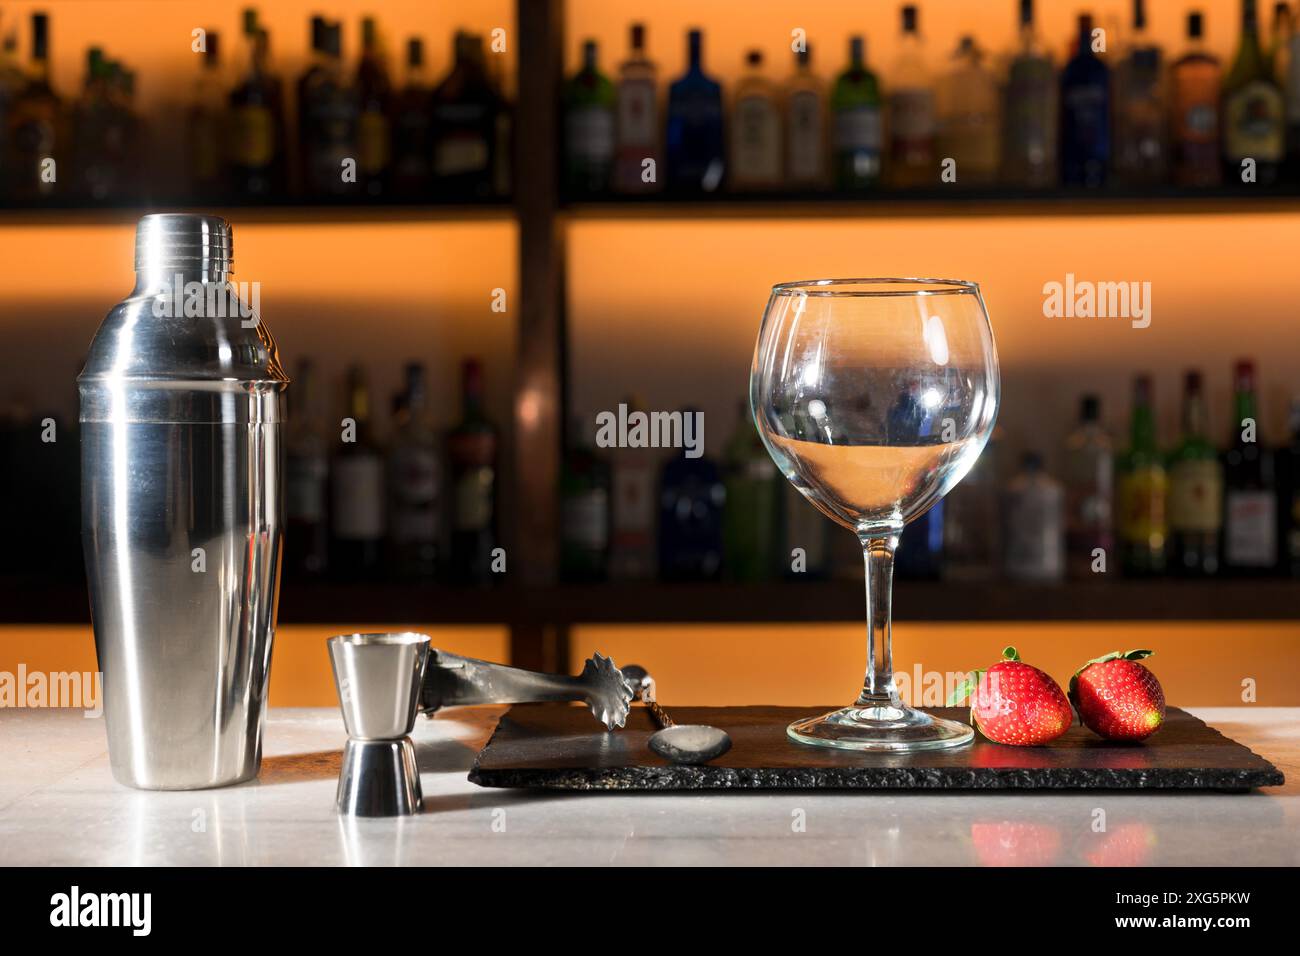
{"x": 834, "y": 778}
{"x": 667, "y": 778}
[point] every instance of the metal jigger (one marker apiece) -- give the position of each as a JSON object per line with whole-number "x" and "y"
{"x": 378, "y": 677}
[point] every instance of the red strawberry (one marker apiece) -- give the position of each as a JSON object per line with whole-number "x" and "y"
{"x": 1014, "y": 703}
{"x": 1117, "y": 697}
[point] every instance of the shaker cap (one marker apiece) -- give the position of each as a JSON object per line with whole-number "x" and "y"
{"x": 171, "y": 240}
{"x": 188, "y": 344}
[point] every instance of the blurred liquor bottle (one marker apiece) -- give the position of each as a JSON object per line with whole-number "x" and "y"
{"x": 12, "y": 81}
{"x": 749, "y": 521}
{"x": 968, "y": 117}
{"x": 691, "y": 502}
{"x": 102, "y": 131}
{"x": 694, "y": 145}
{"x": 204, "y": 139}
{"x": 124, "y": 133}
{"x": 756, "y": 140}
{"x": 316, "y": 64}
{"x": 55, "y": 548}
{"x": 589, "y": 108}
{"x": 16, "y": 483}
{"x": 1143, "y": 491}
{"x": 1279, "y": 43}
{"x": 805, "y": 125}
{"x": 1250, "y": 489}
{"x": 972, "y": 520}
{"x": 584, "y": 509}
{"x": 1195, "y": 491}
{"x": 633, "y": 509}
{"x": 811, "y": 545}
{"x": 1253, "y": 111}
{"x": 39, "y": 484}
{"x": 1195, "y": 81}
{"x": 1141, "y": 153}
{"x": 912, "y": 416}
{"x": 414, "y": 484}
{"x": 357, "y": 490}
{"x": 1029, "y": 113}
{"x": 1085, "y": 147}
{"x": 412, "y": 137}
{"x": 254, "y": 138}
{"x": 374, "y": 106}
{"x": 804, "y": 528}
{"x": 1089, "y": 491}
{"x": 502, "y": 130}
{"x": 472, "y": 462}
{"x": 327, "y": 115}
{"x": 1287, "y": 73}
{"x": 466, "y": 110}
{"x": 856, "y": 128}
{"x": 636, "y": 132}
{"x": 1034, "y": 524}
{"x": 912, "y": 160}
{"x": 35, "y": 130}
{"x": 306, "y": 479}
{"x": 920, "y": 555}
{"x": 280, "y": 110}
{"x": 1289, "y": 496}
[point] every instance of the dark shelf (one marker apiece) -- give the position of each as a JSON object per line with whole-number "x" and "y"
{"x": 77, "y": 212}
{"x": 392, "y": 602}
{"x": 1158, "y": 200}
{"x": 832, "y": 601}
{"x": 723, "y": 602}
{"x": 953, "y": 200}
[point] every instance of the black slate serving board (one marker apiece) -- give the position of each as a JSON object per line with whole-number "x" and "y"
{"x": 557, "y": 747}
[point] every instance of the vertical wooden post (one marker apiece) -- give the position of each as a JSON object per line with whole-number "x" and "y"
{"x": 539, "y": 389}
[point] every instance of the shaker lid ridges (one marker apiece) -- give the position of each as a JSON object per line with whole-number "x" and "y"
{"x": 174, "y": 239}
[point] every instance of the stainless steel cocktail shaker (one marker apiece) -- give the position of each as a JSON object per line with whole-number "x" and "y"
{"x": 181, "y": 509}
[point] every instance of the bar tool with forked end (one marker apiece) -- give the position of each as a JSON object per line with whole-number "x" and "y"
{"x": 378, "y": 677}
{"x": 452, "y": 680}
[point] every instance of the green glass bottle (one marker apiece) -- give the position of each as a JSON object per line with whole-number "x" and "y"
{"x": 1195, "y": 491}
{"x": 584, "y": 510}
{"x": 749, "y": 520}
{"x": 1253, "y": 110}
{"x": 855, "y": 123}
{"x": 590, "y": 101}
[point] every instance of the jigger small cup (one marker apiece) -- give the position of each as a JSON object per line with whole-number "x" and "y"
{"x": 378, "y": 678}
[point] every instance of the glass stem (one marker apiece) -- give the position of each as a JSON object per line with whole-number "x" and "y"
{"x": 878, "y": 688}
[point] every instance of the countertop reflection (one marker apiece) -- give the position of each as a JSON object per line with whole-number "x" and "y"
{"x": 59, "y": 805}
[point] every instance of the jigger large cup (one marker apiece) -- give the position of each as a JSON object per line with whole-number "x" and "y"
{"x": 378, "y": 678}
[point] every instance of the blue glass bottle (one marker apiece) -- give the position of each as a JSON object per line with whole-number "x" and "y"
{"x": 1085, "y": 114}
{"x": 691, "y": 500}
{"x": 694, "y": 137}
{"x": 912, "y": 419}
{"x": 920, "y": 547}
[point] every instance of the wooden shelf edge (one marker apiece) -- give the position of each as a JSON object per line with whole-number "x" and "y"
{"x": 72, "y": 214}
{"x": 703, "y": 603}
{"x": 938, "y": 203}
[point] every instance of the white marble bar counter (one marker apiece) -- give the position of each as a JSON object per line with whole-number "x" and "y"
{"x": 60, "y": 805}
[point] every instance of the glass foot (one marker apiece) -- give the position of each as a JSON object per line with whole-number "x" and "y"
{"x": 889, "y": 727}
